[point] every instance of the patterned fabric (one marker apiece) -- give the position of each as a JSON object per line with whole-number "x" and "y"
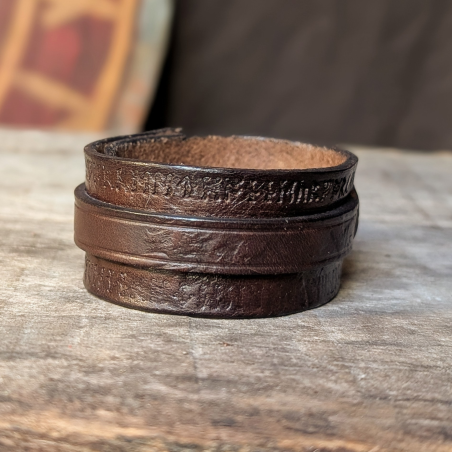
{"x": 70, "y": 64}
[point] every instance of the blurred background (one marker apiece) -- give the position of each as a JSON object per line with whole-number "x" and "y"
{"x": 326, "y": 71}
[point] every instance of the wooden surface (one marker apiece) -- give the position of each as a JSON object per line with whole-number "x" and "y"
{"x": 370, "y": 371}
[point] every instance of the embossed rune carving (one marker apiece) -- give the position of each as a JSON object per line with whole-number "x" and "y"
{"x": 147, "y": 184}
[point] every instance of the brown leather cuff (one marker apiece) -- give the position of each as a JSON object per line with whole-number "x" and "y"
{"x": 247, "y": 252}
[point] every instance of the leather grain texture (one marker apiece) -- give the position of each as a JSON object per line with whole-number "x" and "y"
{"x": 216, "y": 254}
{"x": 232, "y": 246}
{"x": 208, "y": 295}
{"x": 164, "y": 171}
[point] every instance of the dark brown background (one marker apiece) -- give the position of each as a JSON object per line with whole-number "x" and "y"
{"x": 329, "y": 71}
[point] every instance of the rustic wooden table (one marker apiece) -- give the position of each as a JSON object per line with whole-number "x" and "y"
{"x": 370, "y": 371}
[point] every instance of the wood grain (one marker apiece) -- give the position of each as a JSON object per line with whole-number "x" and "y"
{"x": 370, "y": 371}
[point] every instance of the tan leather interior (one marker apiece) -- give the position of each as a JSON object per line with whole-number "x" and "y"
{"x": 231, "y": 152}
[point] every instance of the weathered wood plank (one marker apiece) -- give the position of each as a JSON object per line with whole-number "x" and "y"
{"x": 370, "y": 371}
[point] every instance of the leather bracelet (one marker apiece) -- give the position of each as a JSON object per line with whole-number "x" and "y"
{"x": 164, "y": 171}
{"x": 232, "y": 246}
{"x": 230, "y": 259}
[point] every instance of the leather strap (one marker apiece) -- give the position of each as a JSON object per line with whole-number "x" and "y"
{"x": 207, "y": 295}
{"x": 164, "y": 171}
{"x": 239, "y": 246}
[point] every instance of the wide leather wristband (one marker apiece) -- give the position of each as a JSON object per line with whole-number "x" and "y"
{"x": 230, "y": 259}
